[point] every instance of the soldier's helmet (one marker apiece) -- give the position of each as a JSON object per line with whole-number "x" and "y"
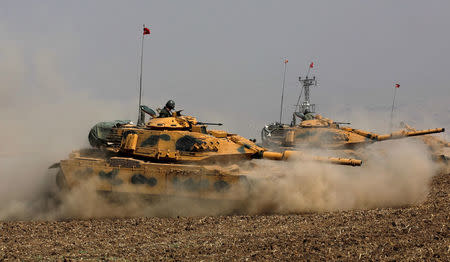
{"x": 170, "y": 104}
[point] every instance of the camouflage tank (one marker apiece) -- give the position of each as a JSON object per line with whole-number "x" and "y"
{"x": 315, "y": 131}
{"x": 321, "y": 132}
{"x": 170, "y": 156}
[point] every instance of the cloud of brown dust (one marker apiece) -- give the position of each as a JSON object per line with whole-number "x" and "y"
{"x": 395, "y": 174}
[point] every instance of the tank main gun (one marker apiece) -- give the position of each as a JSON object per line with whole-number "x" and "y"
{"x": 394, "y": 135}
{"x": 288, "y": 154}
{"x": 429, "y": 140}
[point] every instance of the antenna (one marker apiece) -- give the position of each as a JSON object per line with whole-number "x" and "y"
{"x": 396, "y": 86}
{"x": 282, "y": 91}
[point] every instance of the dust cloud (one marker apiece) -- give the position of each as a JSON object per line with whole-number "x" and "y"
{"x": 396, "y": 174}
{"x": 42, "y": 118}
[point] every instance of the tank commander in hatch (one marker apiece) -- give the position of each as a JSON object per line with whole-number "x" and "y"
{"x": 167, "y": 110}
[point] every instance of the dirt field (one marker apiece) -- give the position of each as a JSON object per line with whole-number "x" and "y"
{"x": 413, "y": 233}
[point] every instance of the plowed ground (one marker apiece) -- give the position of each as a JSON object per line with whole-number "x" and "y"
{"x": 411, "y": 233}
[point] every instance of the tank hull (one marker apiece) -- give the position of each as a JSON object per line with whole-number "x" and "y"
{"x": 132, "y": 176}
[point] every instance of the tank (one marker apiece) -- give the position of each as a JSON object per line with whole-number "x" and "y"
{"x": 172, "y": 157}
{"x": 321, "y": 132}
{"x": 316, "y": 131}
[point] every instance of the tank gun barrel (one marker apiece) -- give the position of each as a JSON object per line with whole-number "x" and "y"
{"x": 433, "y": 139}
{"x": 394, "y": 135}
{"x": 400, "y": 134}
{"x": 288, "y": 154}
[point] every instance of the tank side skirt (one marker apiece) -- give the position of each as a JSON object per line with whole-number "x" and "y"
{"x": 190, "y": 181}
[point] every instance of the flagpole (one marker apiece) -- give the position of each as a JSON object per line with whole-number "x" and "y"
{"x": 282, "y": 92}
{"x": 392, "y": 108}
{"x": 309, "y": 68}
{"x": 140, "y": 120}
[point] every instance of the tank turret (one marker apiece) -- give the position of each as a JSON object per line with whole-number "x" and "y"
{"x": 184, "y": 139}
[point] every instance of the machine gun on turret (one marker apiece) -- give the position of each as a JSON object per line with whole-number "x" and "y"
{"x": 209, "y": 124}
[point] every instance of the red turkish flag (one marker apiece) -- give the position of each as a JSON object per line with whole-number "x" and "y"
{"x": 311, "y": 65}
{"x": 397, "y": 85}
{"x": 146, "y": 31}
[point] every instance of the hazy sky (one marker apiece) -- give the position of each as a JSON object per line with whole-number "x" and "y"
{"x": 222, "y": 60}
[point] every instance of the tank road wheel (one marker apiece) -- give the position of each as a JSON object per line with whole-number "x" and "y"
{"x": 61, "y": 181}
